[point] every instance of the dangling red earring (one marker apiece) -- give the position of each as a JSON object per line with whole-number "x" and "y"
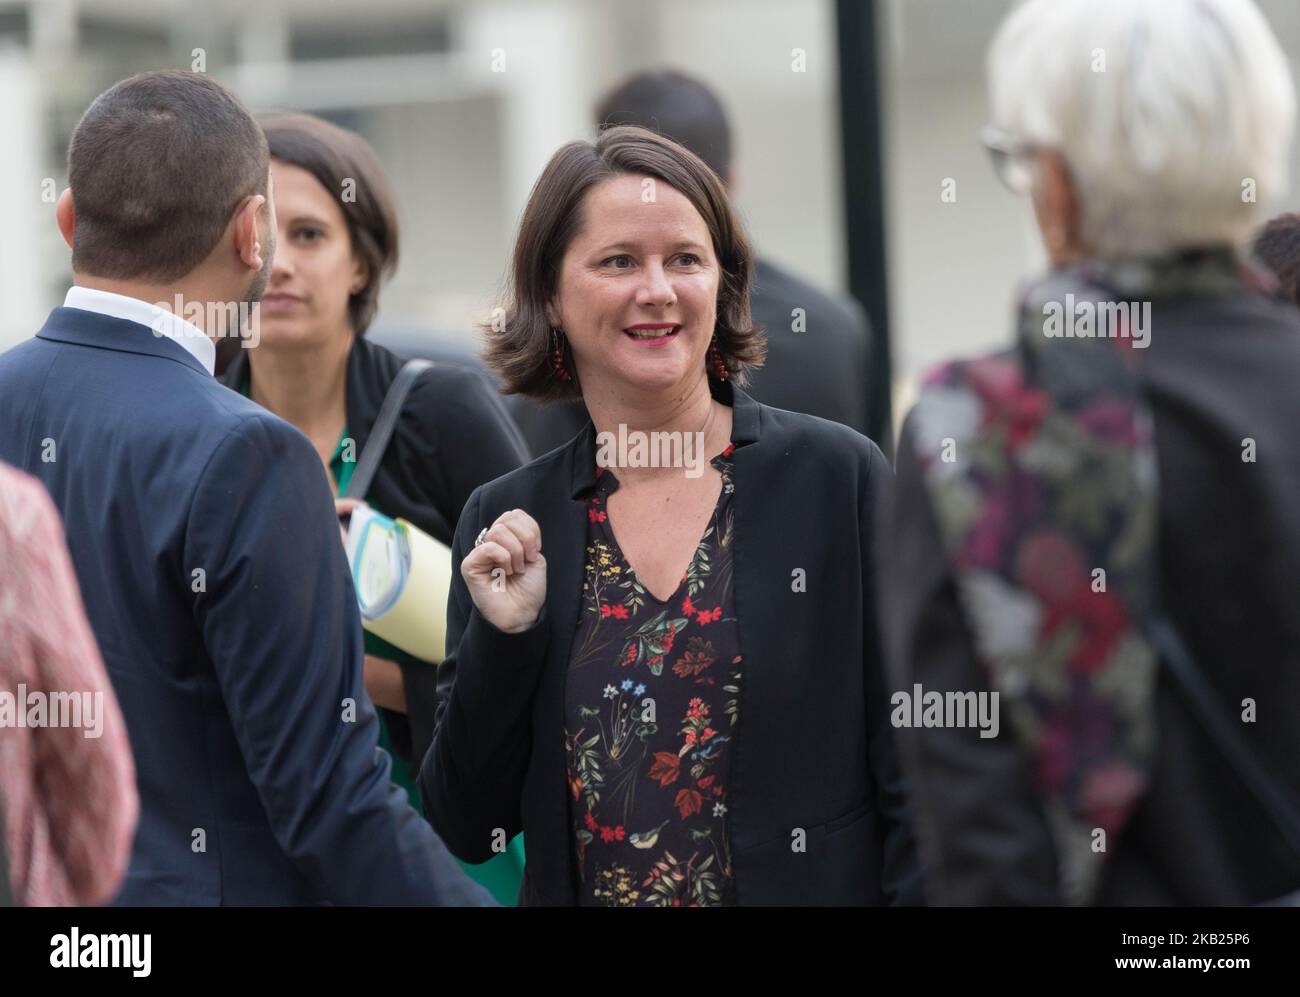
{"x": 557, "y": 358}
{"x": 719, "y": 367}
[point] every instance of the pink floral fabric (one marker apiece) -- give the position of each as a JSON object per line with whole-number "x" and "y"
{"x": 70, "y": 803}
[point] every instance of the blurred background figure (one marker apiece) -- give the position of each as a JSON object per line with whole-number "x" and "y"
{"x": 67, "y": 793}
{"x": 817, "y": 343}
{"x": 1128, "y": 590}
{"x": 313, "y": 366}
{"x": 1277, "y": 246}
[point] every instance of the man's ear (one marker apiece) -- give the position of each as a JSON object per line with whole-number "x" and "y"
{"x": 66, "y": 216}
{"x": 248, "y": 239}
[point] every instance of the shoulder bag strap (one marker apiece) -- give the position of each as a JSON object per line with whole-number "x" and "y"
{"x": 368, "y": 464}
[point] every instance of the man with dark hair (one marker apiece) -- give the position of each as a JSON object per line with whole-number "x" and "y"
{"x": 219, "y": 596}
{"x": 817, "y": 343}
{"x": 675, "y": 105}
{"x": 131, "y": 147}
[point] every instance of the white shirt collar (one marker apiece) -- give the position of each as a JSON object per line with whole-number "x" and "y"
{"x": 161, "y": 321}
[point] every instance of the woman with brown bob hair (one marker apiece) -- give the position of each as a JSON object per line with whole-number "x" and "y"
{"x": 681, "y": 701}
{"x": 337, "y": 239}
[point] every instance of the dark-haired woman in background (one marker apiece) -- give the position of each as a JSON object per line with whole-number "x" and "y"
{"x": 681, "y": 703}
{"x": 337, "y": 239}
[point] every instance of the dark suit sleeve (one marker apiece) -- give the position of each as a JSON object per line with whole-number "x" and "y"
{"x": 466, "y": 438}
{"x": 280, "y": 624}
{"x": 983, "y": 836}
{"x": 472, "y": 779}
{"x": 900, "y": 877}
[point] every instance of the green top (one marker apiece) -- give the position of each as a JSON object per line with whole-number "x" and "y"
{"x": 340, "y": 468}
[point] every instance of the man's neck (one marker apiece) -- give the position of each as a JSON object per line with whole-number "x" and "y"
{"x": 306, "y": 386}
{"x": 175, "y": 298}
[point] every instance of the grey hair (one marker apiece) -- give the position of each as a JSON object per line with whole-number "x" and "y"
{"x": 1174, "y": 117}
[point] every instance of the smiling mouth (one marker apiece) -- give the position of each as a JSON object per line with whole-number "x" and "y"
{"x": 656, "y": 332}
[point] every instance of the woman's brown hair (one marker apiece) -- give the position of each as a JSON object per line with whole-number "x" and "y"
{"x": 346, "y": 165}
{"x": 521, "y": 343}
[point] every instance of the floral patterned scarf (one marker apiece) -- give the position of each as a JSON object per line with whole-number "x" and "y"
{"x": 1040, "y": 467}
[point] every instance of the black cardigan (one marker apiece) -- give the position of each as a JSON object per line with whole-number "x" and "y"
{"x": 814, "y": 749}
{"x": 453, "y": 435}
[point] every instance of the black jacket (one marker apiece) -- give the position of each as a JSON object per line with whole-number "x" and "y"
{"x": 821, "y": 370}
{"x": 814, "y": 747}
{"x": 1217, "y": 372}
{"x": 453, "y": 435}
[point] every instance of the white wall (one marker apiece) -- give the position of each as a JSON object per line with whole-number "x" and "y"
{"x": 27, "y": 218}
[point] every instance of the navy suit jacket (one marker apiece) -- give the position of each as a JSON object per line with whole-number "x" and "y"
{"x": 206, "y": 545}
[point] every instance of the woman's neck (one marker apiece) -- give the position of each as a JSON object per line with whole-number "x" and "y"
{"x": 691, "y": 412}
{"x": 306, "y": 387}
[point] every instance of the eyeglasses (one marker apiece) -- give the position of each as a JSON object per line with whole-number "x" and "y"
{"x": 1012, "y": 158}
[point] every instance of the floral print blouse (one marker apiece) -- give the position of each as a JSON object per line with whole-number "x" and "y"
{"x": 651, "y": 707}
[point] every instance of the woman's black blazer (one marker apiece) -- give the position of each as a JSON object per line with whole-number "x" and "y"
{"x": 453, "y": 434}
{"x": 814, "y": 751}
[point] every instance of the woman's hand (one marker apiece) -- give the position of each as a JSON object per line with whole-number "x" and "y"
{"x": 506, "y": 573}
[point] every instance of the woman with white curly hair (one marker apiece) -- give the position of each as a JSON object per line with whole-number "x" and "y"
{"x": 1094, "y": 530}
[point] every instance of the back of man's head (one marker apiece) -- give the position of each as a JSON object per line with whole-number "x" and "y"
{"x": 676, "y": 106}
{"x": 156, "y": 167}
